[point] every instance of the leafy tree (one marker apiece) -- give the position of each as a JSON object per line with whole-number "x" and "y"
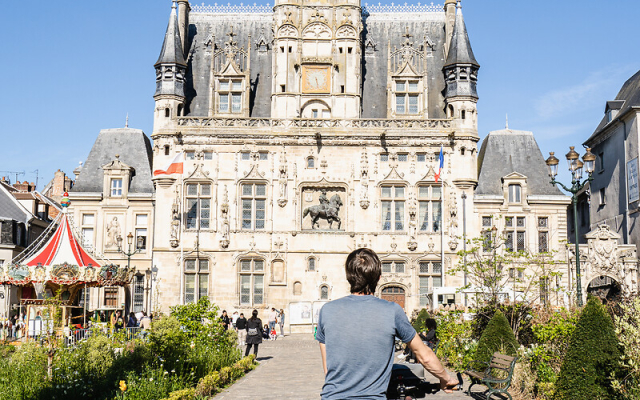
{"x": 627, "y": 325}
{"x": 419, "y": 320}
{"x": 499, "y": 337}
{"x": 592, "y": 358}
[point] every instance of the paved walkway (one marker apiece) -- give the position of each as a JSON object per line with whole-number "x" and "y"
{"x": 290, "y": 369}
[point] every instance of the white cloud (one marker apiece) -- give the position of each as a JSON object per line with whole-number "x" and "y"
{"x": 589, "y": 94}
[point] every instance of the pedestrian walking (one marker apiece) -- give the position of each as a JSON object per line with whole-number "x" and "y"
{"x": 241, "y": 327}
{"x": 281, "y": 322}
{"x": 273, "y": 315}
{"x": 224, "y": 318}
{"x": 254, "y": 333}
{"x": 234, "y": 318}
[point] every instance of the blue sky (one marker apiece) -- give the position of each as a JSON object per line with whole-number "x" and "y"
{"x": 71, "y": 68}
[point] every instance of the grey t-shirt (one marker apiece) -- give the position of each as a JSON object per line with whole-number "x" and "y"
{"x": 358, "y": 332}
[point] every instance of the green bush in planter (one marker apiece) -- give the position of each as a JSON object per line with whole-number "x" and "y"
{"x": 592, "y": 358}
{"x": 497, "y": 336}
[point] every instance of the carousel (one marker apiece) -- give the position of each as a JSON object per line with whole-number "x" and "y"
{"x": 52, "y": 273}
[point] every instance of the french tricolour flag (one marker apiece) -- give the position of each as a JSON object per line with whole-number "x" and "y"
{"x": 174, "y": 167}
{"x": 441, "y": 158}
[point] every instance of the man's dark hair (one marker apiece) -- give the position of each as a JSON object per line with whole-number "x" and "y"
{"x": 363, "y": 269}
{"x": 430, "y": 323}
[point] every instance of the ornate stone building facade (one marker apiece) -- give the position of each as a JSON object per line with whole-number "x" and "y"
{"x": 113, "y": 197}
{"x": 309, "y": 130}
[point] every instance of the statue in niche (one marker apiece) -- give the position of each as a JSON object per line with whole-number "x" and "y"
{"x": 175, "y": 223}
{"x": 328, "y": 209}
{"x": 113, "y": 232}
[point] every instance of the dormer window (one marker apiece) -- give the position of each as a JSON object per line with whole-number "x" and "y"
{"x": 515, "y": 193}
{"x": 230, "y": 96}
{"x": 116, "y": 187}
{"x": 407, "y": 97}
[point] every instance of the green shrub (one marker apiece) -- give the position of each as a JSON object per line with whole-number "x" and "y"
{"x": 226, "y": 376}
{"x": 208, "y": 385}
{"x": 592, "y": 358}
{"x": 499, "y": 337}
{"x": 170, "y": 343}
{"x": 23, "y": 375}
{"x": 420, "y": 319}
{"x": 519, "y": 316}
{"x": 154, "y": 384}
{"x": 184, "y": 394}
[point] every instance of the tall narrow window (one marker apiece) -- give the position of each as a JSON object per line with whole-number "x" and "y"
{"x": 514, "y": 193}
{"x": 116, "y": 187}
{"x": 515, "y": 233}
{"x": 324, "y": 292}
{"x": 543, "y": 234}
{"x": 88, "y": 224}
{"x": 252, "y": 281}
{"x": 198, "y": 196}
{"x": 138, "y": 293}
{"x": 311, "y": 264}
{"x": 392, "y": 201}
{"x": 430, "y": 208}
{"x": 429, "y": 275}
{"x": 196, "y": 279}
{"x": 254, "y": 199}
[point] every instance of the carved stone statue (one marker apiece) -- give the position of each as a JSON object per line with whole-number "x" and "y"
{"x": 113, "y": 232}
{"x": 174, "y": 233}
{"x": 327, "y": 209}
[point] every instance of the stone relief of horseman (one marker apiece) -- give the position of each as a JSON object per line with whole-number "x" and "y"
{"x": 328, "y": 209}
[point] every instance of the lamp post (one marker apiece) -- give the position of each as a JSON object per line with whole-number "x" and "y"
{"x": 577, "y": 184}
{"x": 129, "y": 253}
{"x": 464, "y": 242}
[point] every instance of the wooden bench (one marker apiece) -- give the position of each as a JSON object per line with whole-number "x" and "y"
{"x": 496, "y": 376}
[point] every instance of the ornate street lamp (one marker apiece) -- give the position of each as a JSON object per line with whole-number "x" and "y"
{"x": 577, "y": 184}
{"x": 129, "y": 253}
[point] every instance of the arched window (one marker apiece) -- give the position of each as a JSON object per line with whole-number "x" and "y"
{"x": 311, "y": 162}
{"x": 311, "y": 264}
{"x": 297, "y": 288}
{"x": 167, "y": 112}
{"x": 324, "y": 292}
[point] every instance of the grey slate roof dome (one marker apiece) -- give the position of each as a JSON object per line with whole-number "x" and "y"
{"x": 506, "y": 151}
{"x": 134, "y": 148}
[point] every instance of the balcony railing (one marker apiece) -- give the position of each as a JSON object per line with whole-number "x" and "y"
{"x": 203, "y": 122}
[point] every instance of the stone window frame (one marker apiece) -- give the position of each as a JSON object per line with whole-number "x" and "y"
{"x": 199, "y": 196}
{"x": 88, "y": 226}
{"x": 226, "y": 88}
{"x": 308, "y": 262}
{"x": 198, "y": 273}
{"x": 138, "y": 227}
{"x": 252, "y": 273}
{"x": 429, "y": 200}
{"x": 310, "y": 162}
{"x": 138, "y": 290}
{"x": 115, "y": 190}
{"x": 253, "y": 198}
{"x": 321, "y": 292}
{"x": 393, "y": 198}
{"x": 406, "y": 93}
{"x": 543, "y": 234}
{"x": 515, "y": 195}
{"x": 515, "y": 233}
{"x": 427, "y": 275}
{"x": 393, "y": 264}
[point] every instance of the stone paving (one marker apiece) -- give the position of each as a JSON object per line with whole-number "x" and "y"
{"x": 291, "y": 369}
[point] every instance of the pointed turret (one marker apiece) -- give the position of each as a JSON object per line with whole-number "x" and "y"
{"x": 461, "y": 75}
{"x": 460, "y": 49}
{"x": 170, "y": 75}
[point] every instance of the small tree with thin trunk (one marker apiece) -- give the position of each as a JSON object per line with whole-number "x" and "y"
{"x": 497, "y": 337}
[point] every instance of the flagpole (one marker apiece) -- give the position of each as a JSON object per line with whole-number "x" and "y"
{"x": 442, "y": 233}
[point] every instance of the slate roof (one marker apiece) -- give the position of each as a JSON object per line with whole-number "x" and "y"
{"x": 507, "y": 151}
{"x": 629, "y": 94}
{"x": 10, "y": 208}
{"x": 460, "y": 51}
{"x": 134, "y": 148}
{"x": 171, "y": 52}
{"x": 382, "y": 28}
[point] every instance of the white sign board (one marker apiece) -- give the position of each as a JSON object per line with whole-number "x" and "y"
{"x": 317, "y": 305}
{"x": 300, "y": 313}
{"x": 632, "y": 180}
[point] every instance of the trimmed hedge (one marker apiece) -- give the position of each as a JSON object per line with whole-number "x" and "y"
{"x": 212, "y": 383}
{"x": 497, "y": 336}
{"x": 592, "y": 358}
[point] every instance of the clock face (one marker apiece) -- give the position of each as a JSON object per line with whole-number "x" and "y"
{"x": 316, "y": 80}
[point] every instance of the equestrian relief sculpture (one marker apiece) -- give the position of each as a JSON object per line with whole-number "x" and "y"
{"x": 328, "y": 209}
